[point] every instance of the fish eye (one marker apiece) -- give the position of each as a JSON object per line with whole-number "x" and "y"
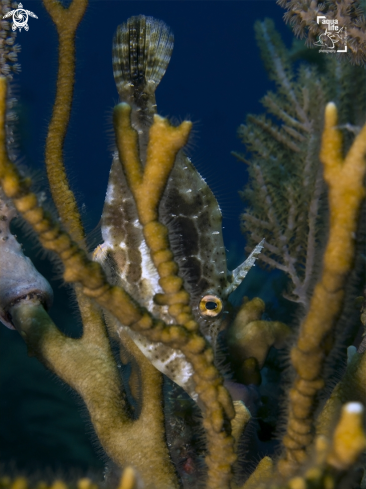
{"x": 210, "y": 305}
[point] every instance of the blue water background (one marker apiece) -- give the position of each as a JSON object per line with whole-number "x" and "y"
{"x": 215, "y": 78}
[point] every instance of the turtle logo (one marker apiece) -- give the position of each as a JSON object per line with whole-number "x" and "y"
{"x": 20, "y": 17}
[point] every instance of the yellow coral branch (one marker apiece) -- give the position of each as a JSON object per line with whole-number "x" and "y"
{"x": 349, "y": 438}
{"x": 261, "y": 475}
{"x": 239, "y": 423}
{"x": 147, "y": 186}
{"x": 249, "y": 340}
{"x": 129, "y": 479}
{"x": 250, "y": 337}
{"x": 346, "y": 191}
{"x": 66, "y": 21}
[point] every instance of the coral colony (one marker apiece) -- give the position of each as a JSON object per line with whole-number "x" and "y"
{"x": 158, "y": 285}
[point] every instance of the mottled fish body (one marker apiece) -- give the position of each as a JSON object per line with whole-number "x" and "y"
{"x": 141, "y": 52}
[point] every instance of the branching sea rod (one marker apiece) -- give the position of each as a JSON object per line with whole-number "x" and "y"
{"x": 158, "y": 286}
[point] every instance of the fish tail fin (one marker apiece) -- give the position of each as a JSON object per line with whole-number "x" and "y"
{"x": 142, "y": 48}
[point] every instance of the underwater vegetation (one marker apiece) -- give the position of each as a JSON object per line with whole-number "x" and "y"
{"x": 286, "y": 198}
{"x": 303, "y": 15}
{"x": 153, "y": 296}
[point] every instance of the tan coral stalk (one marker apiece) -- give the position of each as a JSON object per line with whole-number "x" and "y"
{"x": 262, "y": 474}
{"x": 346, "y": 191}
{"x": 250, "y": 337}
{"x": 66, "y": 21}
{"x": 349, "y": 439}
{"x": 147, "y": 186}
{"x": 88, "y": 366}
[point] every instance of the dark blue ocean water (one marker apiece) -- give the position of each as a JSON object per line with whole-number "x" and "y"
{"x": 215, "y": 78}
